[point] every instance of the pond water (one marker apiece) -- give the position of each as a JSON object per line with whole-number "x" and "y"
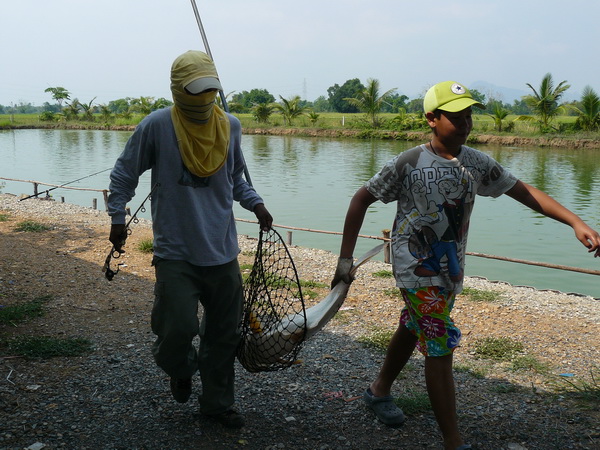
{"x": 308, "y": 183}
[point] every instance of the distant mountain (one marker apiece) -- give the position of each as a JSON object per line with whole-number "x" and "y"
{"x": 505, "y": 94}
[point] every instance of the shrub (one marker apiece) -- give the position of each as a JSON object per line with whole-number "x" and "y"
{"x": 48, "y": 347}
{"x": 13, "y": 314}
{"x": 31, "y": 226}
{"x": 502, "y": 348}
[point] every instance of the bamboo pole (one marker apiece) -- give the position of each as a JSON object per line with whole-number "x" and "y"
{"x": 535, "y": 263}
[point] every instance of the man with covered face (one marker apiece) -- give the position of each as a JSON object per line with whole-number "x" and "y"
{"x": 193, "y": 151}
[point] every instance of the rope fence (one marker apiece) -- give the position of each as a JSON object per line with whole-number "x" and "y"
{"x": 385, "y": 233}
{"x": 387, "y": 253}
{"x": 37, "y": 192}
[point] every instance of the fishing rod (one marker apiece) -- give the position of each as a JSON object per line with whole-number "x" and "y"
{"x": 221, "y": 93}
{"x": 108, "y": 272}
{"x": 207, "y": 47}
{"x": 63, "y": 185}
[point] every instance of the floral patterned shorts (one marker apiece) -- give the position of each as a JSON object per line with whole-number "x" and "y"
{"x": 426, "y": 314}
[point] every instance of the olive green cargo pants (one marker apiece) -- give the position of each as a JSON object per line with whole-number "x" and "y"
{"x": 179, "y": 287}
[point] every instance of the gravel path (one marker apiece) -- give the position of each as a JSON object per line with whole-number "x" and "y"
{"x": 115, "y": 398}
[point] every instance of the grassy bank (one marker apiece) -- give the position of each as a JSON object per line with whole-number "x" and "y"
{"x": 338, "y": 125}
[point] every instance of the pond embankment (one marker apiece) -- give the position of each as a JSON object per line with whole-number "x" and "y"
{"x": 422, "y": 136}
{"x": 351, "y": 133}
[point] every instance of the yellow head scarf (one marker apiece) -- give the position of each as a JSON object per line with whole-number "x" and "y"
{"x": 201, "y": 127}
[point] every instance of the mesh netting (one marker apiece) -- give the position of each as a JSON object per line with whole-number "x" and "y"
{"x": 274, "y": 320}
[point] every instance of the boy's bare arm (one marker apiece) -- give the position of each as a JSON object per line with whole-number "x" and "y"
{"x": 354, "y": 219}
{"x": 544, "y": 204}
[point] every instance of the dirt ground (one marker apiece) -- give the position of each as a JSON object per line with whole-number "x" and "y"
{"x": 65, "y": 263}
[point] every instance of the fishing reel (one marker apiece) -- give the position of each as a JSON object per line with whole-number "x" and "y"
{"x": 114, "y": 253}
{"x": 108, "y": 272}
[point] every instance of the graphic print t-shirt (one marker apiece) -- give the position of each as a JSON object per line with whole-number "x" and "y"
{"x": 435, "y": 198}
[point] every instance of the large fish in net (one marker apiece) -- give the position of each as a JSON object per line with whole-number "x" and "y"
{"x": 276, "y": 322}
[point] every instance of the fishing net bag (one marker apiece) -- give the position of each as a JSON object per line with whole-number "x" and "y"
{"x": 273, "y": 324}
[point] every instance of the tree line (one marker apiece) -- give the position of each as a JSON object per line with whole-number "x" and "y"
{"x": 542, "y": 106}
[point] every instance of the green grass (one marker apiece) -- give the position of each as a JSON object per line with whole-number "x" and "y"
{"x": 587, "y": 390}
{"x": 344, "y": 317}
{"x": 4, "y": 217}
{"x": 14, "y": 314}
{"x": 530, "y": 363}
{"x": 377, "y": 340}
{"x": 415, "y": 403}
{"x": 499, "y": 349}
{"x": 146, "y": 246}
{"x": 47, "y": 347}
{"x": 309, "y": 293}
{"x": 476, "y": 372}
{"x": 392, "y": 292}
{"x": 12, "y": 120}
{"x": 504, "y": 388}
{"x": 313, "y": 284}
{"x": 476, "y": 295}
{"x": 31, "y": 226}
{"x": 276, "y": 282}
{"x": 383, "y": 274}
{"x": 309, "y": 286}
{"x": 482, "y": 123}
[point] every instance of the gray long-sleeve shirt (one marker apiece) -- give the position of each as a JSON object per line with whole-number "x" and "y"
{"x": 192, "y": 217}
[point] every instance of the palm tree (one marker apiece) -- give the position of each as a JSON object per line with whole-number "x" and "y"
{"x": 88, "y": 110}
{"x": 545, "y": 102}
{"x": 589, "y": 114}
{"x": 370, "y": 102}
{"x": 226, "y": 97}
{"x": 290, "y": 109}
{"x": 499, "y": 115}
{"x": 262, "y": 111}
{"x": 105, "y": 113}
{"x": 71, "y": 110}
{"x": 145, "y": 105}
{"x": 59, "y": 94}
{"x": 313, "y": 117}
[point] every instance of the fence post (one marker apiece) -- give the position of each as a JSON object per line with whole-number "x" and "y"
{"x": 386, "y": 246}
{"x": 95, "y": 203}
{"x": 35, "y": 189}
{"x": 105, "y": 195}
{"x": 289, "y": 238}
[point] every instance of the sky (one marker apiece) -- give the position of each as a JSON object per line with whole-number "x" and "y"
{"x": 111, "y": 49}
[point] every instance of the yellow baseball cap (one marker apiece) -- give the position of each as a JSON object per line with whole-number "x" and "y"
{"x": 449, "y": 96}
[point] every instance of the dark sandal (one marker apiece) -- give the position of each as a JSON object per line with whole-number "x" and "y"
{"x": 385, "y": 409}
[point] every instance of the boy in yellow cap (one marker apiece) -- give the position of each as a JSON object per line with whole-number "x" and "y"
{"x": 435, "y": 185}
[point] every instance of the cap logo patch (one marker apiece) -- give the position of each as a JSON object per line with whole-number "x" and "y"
{"x": 457, "y": 89}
